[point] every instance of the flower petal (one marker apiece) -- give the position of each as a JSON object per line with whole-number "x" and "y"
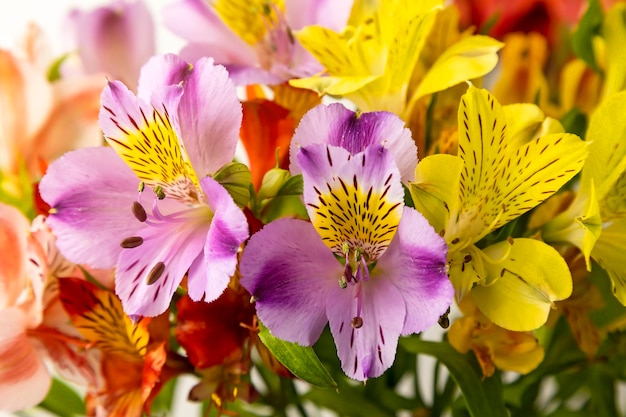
{"x": 91, "y": 192}
{"x": 331, "y": 14}
{"x": 210, "y": 117}
{"x": 289, "y": 271}
{"x": 195, "y": 21}
{"x": 24, "y": 379}
{"x": 161, "y": 71}
{"x": 416, "y": 263}
{"x": 147, "y": 138}
{"x": 117, "y": 39}
{"x": 338, "y": 126}
{"x": 356, "y": 199}
{"x": 368, "y": 351}
{"x": 229, "y": 229}
{"x": 14, "y": 229}
{"x": 520, "y": 294}
{"x": 147, "y": 275}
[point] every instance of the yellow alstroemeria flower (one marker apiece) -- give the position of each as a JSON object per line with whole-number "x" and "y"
{"x": 371, "y": 62}
{"x": 595, "y": 221}
{"x": 504, "y": 168}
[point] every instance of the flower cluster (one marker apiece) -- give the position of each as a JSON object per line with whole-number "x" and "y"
{"x": 305, "y": 189}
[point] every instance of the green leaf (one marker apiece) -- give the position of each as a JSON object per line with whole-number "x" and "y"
{"x": 582, "y": 39}
{"x": 350, "y": 402}
{"x": 483, "y": 397}
{"x": 236, "y": 178}
{"x": 300, "y": 360}
{"x": 602, "y": 388}
{"x": 63, "y": 401}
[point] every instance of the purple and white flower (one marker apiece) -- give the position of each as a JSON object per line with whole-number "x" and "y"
{"x": 181, "y": 127}
{"x": 371, "y": 267}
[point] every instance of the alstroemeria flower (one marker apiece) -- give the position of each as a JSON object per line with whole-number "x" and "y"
{"x": 254, "y": 39}
{"x": 594, "y": 220}
{"x": 117, "y": 39}
{"x": 375, "y": 60}
{"x": 504, "y": 168}
{"x": 181, "y": 128}
{"x": 132, "y": 360}
{"x": 368, "y": 265}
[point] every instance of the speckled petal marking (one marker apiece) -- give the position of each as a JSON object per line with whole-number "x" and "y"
{"x": 147, "y": 141}
{"x": 355, "y": 200}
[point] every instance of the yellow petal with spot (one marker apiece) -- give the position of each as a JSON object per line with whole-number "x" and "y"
{"x": 501, "y": 180}
{"x": 467, "y": 269}
{"x": 98, "y": 315}
{"x": 435, "y": 190}
{"x": 525, "y": 285}
{"x": 249, "y": 19}
{"x": 469, "y": 58}
{"x": 609, "y": 253}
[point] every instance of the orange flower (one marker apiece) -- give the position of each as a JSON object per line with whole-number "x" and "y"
{"x": 494, "y": 346}
{"x": 132, "y": 361}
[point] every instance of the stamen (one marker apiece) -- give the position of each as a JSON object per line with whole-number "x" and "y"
{"x": 155, "y": 273}
{"x": 132, "y": 242}
{"x": 366, "y": 271}
{"x": 356, "y": 322}
{"x": 139, "y": 212}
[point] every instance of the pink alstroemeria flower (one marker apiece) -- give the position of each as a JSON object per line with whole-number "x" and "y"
{"x": 366, "y": 264}
{"x": 181, "y": 128}
{"x": 117, "y": 39}
{"x": 33, "y": 325}
{"x": 254, "y": 39}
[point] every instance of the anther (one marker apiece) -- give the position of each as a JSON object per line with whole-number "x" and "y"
{"x": 158, "y": 191}
{"x": 467, "y": 259}
{"x": 155, "y": 273}
{"x": 343, "y": 283}
{"x": 356, "y": 322}
{"x": 444, "y": 321}
{"x": 141, "y": 187}
{"x": 131, "y": 242}
{"x": 139, "y": 212}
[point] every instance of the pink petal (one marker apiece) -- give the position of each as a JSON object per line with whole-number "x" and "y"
{"x": 117, "y": 39}
{"x": 24, "y": 380}
{"x": 416, "y": 263}
{"x": 289, "y": 271}
{"x": 160, "y": 71}
{"x": 211, "y": 273}
{"x": 91, "y": 191}
{"x": 368, "y": 351}
{"x": 338, "y": 126}
{"x": 210, "y": 117}
{"x": 174, "y": 244}
{"x": 328, "y": 13}
{"x": 196, "y": 22}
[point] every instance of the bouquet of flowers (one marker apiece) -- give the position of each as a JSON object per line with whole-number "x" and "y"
{"x": 288, "y": 208}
